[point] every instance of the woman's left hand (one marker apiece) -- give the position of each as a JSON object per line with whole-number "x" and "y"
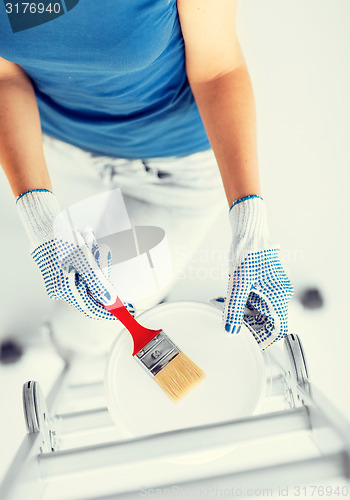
{"x": 258, "y": 288}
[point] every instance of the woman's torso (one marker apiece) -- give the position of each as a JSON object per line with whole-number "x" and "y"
{"x": 110, "y": 77}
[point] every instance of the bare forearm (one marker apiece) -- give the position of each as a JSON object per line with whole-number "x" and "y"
{"x": 21, "y": 151}
{"x": 227, "y": 108}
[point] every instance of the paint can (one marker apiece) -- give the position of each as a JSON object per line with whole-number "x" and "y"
{"x": 234, "y": 386}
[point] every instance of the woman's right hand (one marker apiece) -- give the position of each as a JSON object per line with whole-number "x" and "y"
{"x": 72, "y": 264}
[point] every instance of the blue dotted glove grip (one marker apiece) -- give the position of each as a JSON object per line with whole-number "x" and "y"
{"x": 73, "y": 274}
{"x": 260, "y": 284}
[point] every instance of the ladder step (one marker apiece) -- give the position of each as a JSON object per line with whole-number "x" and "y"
{"x": 296, "y": 472}
{"x": 83, "y": 420}
{"x": 280, "y": 480}
{"x": 183, "y": 441}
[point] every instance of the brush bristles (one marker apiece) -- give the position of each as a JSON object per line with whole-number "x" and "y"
{"x": 179, "y": 376}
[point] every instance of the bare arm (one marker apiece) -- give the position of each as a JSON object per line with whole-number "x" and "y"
{"x": 221, "y": 86}
{"x": 21, "y": 151}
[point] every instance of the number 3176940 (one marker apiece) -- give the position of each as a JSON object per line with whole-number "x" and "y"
{"x": 32, "y": 8}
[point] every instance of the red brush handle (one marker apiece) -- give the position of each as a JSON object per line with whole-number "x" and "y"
{"x": 140, "y": 335}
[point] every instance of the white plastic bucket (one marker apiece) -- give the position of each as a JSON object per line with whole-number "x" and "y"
{"x": 234, "y": 366}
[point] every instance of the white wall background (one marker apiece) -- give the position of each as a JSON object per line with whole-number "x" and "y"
{"x": 298, "y": 55}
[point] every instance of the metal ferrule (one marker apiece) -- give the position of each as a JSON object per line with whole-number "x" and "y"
{"x": 157, "y": 353}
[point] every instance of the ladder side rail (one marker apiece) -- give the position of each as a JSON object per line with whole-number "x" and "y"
{"x": 330, "y": 429}
{"x": 24, "y": 468}
{"x": 24, "y": 463}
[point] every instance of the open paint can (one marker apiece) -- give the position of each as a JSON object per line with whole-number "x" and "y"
{"x": 234, "y": 385}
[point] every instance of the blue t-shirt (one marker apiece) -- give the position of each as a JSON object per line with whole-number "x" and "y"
{"x": 109, "y": 75}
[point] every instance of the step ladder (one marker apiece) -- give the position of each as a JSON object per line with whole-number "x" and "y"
{"x": 73, "y": 450}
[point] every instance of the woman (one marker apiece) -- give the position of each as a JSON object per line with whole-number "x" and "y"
{"x": 164, "y": 83}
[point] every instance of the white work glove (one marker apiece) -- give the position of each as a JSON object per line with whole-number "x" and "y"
{"x": 73, "y": 266}
{"x": 258, "y": 288}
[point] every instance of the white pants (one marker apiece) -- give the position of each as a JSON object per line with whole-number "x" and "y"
{"x": 182, "y": 195}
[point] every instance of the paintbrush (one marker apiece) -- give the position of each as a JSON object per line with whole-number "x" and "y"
{"x": 173, "y": 371}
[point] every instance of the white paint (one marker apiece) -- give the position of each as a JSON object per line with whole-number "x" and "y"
{"x": 234, "y": 368}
